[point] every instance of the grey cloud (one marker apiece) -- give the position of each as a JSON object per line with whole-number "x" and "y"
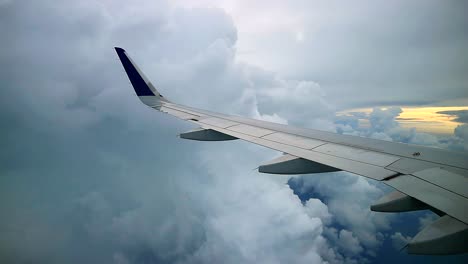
{"x": 382, "y": 120}
{"x": 367, "y": 54}
{"x": 351, "y": 121}
{"x": 462, "y": 132}
{"x": 461, "y": 115}
{"x": 426, "y": 219}
{"x": 399, "y": 240}
{"x": 384, "y": 126}
{"x": 349, "y": 242}
{"x": 348, "y": 198}
{"x": 100, "y": 173}
{"x": 298, "y": 102}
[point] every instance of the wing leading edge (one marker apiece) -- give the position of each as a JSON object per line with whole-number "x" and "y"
{"x": 425, "y": 178}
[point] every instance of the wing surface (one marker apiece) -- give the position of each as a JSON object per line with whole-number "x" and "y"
{"x": 424, "y": 178}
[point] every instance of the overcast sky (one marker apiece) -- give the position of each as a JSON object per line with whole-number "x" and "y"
{"x": 91, "y": 175}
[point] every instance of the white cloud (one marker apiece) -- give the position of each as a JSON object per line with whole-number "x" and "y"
{"x": 384, "y": 126}
{"x": 316, "y": 208}
{"x": 348, "y": 198}
{"x": 132, "y": 199}
{"x": 461, "y": 132}
{"x": 361, "y": 53}
{"x": 426, "y": 219}
{"x": 349, "y": 243}
{"x": 399, "y": 240}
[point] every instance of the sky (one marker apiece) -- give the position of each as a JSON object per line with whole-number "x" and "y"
{"x": 438, "y": 120}
{"x": 91, "y": 175}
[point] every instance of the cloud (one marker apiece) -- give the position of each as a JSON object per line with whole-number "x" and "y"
{"x": 461, "y": 115}
{"x": 383, "y": 125}
{"x": 426, "y": 219}
{"x": 348, "y": 198}
{"x": 362, "y": 54}
{"x": 399, "y": 240}
{"x": 100, "y": 173}
{"x": 462, "y": 132}
{"x": 384, "y": 119}
{"x": 316, "y": 208}
{"x": 349, "y": 242}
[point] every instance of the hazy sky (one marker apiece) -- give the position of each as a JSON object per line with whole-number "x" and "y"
{"x": 91, "y": 175}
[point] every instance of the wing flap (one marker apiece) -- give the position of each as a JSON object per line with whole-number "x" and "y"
{"x": 444, "y": 236}
{"x": 445, "y": 179}
{"x": 300, "y": 142}
{"x": 398, "y": 202}
{"x": 446, "y": 201}
{"x": 180, "y": 114}
{"x": 357, "y": 154}
{"x": 218, "y": 122}
{"x": 250, "y": 130}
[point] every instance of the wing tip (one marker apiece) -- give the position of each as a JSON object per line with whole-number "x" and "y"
{"x": 137, "y": 78}
{"x": 119, "y": 49}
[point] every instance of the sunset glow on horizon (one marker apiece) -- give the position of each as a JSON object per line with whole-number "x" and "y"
{"x": 423, "y": 119}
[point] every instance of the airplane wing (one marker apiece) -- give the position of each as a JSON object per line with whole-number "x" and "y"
{"x": 423, "y": 178}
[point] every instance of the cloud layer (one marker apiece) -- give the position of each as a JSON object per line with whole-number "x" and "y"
{"x": 87, "y": 168}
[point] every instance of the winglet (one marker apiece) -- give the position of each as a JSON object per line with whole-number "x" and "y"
{"x": 143, "y": 87}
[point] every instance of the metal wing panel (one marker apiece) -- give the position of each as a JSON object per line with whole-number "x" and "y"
{"x": 433, "y": 155}
{"x": 300, "y": 142}
{"x": 251, "y": 130}
{"x": 218, "y": 122}
{"x": 409, "y": 166}
{"x": 360, "y": 168}
{"x": 371, "y": 157}
{"x": 184, "y": 109}
{"x": 253, "y": 134}
{"x": 180, "y": 114}
{"x": 446, "y": 201}
{"x": 445, "y": 179}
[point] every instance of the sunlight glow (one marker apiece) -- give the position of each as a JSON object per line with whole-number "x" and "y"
{"x": 424, "y": 119}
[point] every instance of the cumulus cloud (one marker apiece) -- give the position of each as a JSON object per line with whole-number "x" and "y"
{"x": 361, "y": 53}
{"x": 399, "y": 240}
{"x": 384, "y": 119}
{"x": 300, "y": 102}
{"x": 426, "y": 219}
{"x": 461, "y": 134}
{"x": 105, "y": 173}
{"x": 348, "y": 198}
{"x": 349, "y": 242}
{"x": 383, "y": 125}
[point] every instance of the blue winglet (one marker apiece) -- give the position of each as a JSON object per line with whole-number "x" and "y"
{"x": 137, "y": 78}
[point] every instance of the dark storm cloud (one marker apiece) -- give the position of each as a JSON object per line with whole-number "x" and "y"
{"x": 461, "y": 115}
